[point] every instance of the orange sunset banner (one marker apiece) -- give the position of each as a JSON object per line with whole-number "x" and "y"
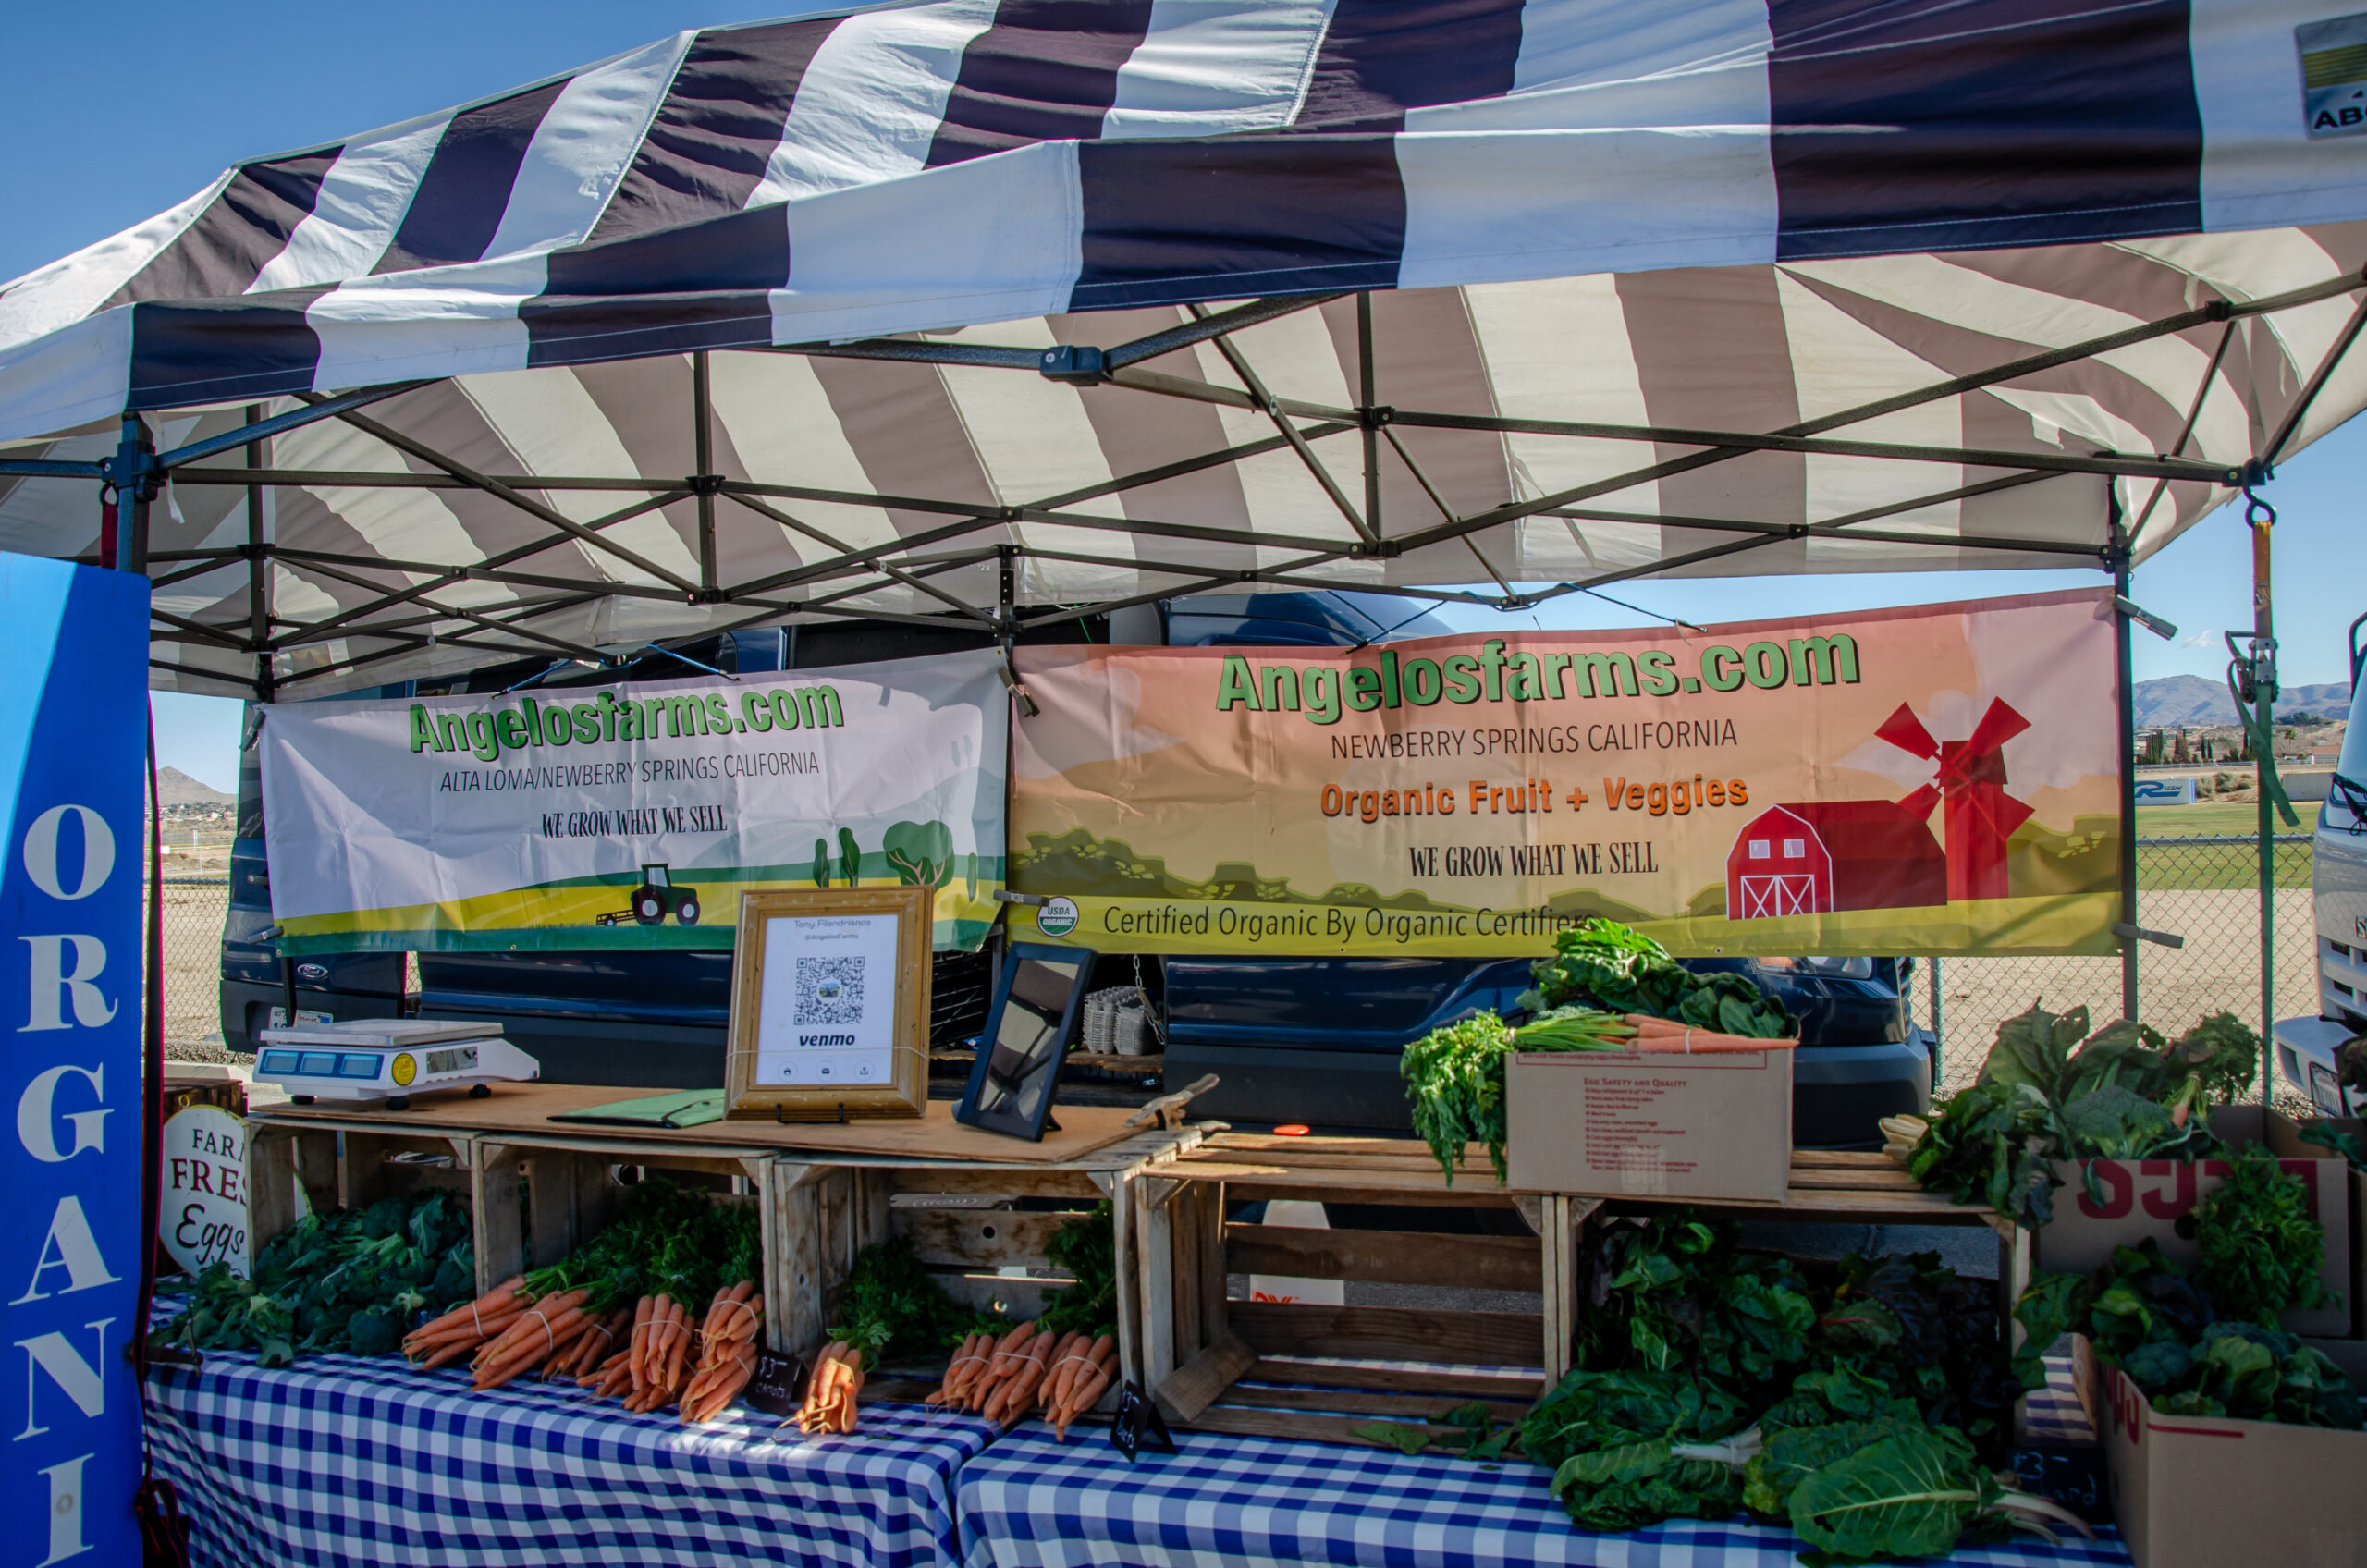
{"x": 1941, "y": 778}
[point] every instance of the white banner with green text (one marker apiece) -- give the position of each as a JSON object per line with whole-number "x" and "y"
{"x": 632, "y": 815}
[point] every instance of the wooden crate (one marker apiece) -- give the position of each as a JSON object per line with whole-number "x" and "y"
{"x": 1836, "y": 1187}
{"x": 1234, "y": 1365}
{"x": 1830, "y": 1187}
{"x": 539, "y": 1196}
{"x": 965, "y": 1221}
{"x": 1225, "y": 1364}
{"x": 337, "y": 1163}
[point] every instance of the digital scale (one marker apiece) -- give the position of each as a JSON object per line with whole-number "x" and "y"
{"x": 390, "y": 1059}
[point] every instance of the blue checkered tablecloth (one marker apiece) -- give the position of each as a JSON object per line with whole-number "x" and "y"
{"x": 1245, "y": 1503}
{"x": 339, "y": 1460}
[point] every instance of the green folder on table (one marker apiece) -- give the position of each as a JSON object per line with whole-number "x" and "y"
{"x": 688, "y": 1107}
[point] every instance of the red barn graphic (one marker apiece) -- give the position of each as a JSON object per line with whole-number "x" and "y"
{"x": 1812, "y": 857}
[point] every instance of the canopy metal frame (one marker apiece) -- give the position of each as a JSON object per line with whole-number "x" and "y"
{"x": 403, "y": 617}
{"x": 414, "y": 610}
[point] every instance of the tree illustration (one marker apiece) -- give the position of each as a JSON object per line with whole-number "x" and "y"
{"x": 821, "y": 863}
{"x": 850, "y": 857}
{"x": 922, "y": 852}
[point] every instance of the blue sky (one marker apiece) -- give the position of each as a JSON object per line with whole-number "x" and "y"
{"x": 207, "y": 87}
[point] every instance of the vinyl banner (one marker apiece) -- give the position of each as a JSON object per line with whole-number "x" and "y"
{"x": 73, "y": 739}
{"x": 1935, "y": 779}
{"x": 632, "y": 815}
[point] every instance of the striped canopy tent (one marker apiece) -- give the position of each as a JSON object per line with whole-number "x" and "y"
{"x": 986, "y": 311}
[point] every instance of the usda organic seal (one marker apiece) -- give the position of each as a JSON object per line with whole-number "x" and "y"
{"x": 1058, "y": 917}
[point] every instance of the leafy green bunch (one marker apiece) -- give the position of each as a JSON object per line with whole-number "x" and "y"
{"x": 665, "y": 1239}
{"x": 2052, "y": 1091}
{"x": 892, "y": 1308}
{"x": 1679, "y": 1292}
{"x": 1456, "y": 1075}
{"x": 1856, "y": 1407}
{"x": 1908, "y": 1327}
{"x": 2258, "y": 1247}
{"x": 349, "y": 1280}
{"x": 1883, "y": 1490}
{"x": 1087, "y": 1248}
{"x": 1991, "y": 1143}
{"x": 2211, "y": 1064}
{"x": 1618, "y": 968}
{"x": 1456, "y": 1078}
{"x": 2145, "y": 1316}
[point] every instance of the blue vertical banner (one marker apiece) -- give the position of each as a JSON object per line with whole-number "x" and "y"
{"x": 73, "y": 739}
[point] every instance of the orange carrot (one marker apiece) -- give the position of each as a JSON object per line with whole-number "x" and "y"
{"x": 450, "y": 1354}
{"x": 1654, "y": 1035}
{"x": 470, "y": 1314}
{"x": 642, "y": 1312}
{"x": 535, "y": 1321}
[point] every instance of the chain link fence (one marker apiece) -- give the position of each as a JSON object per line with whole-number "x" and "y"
{"x": 196, "y": 905}
{"x": 2205, "y": 889}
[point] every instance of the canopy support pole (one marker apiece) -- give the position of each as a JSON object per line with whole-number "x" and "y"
{"x": 131, "y": 485}
{"x": 2263, "y": 711}
{"x": 259, "y": 564}
{"x": 1367, "y": 414}
{"x": 704, "y": 482}
{"x": 2125, "y": 695}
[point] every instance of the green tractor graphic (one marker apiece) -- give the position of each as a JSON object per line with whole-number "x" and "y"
{"x": 657, "y": 897}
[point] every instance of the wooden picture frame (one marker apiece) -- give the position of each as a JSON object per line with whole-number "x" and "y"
{"x": 808, "y": 1041}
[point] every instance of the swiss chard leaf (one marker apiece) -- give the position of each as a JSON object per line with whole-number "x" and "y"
{"x": 2034, "y": 1047}
{"x": 1907, "y": 1494}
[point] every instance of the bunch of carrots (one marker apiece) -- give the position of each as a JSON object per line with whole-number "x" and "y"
{"x": 665, "y": 1362}
{"x": 831, "y": 1390}
{"x": 1676, "y": 1037}
{"x": 1585, "y": 1029}
{"x": 614, "y": 1318}
{"x": 513, "y": 1330}
{"x": 727, "y": 1352}
{"x": 1001, "y": 1379}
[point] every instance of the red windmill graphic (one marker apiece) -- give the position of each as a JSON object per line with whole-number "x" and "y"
{"x": 1979, "y": 817}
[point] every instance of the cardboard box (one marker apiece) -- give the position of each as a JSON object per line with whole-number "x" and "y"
{"x": 1626, "y": 1123}
{"x": 2145, "y": 1198}
{"x": 2193, "y": 1492}
{"x": 2285, "y": 1141}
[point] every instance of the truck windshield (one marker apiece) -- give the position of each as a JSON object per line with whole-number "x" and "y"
{"x": 2352, "y": 764}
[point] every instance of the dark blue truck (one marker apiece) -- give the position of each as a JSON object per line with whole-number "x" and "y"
{"x": 1312, "y": 1040}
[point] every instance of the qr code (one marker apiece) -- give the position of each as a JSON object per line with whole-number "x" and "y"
{"x": 830, "y": 990}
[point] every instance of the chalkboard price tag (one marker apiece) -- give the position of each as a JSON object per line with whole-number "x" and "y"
{"x": 779, "y": 1386}
{"x": 2070, "y": 1474}
{"x": 1139, "y": 1427}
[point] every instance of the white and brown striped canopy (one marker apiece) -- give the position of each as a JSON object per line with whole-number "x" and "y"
{"x": 855, "y": 314}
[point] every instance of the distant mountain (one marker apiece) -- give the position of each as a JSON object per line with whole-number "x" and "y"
{"x": 2194, "y": 700}
{"x": 175, "y": 788}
